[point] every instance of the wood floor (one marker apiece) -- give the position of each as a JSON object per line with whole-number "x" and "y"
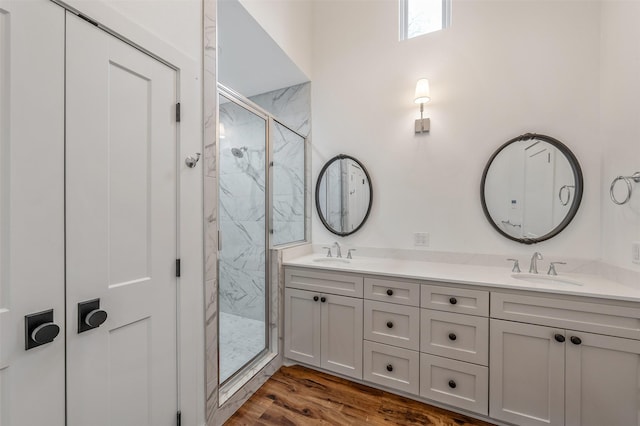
{"x": 300, "y": 396}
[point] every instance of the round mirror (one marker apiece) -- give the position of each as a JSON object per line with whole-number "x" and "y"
{"x": 343, "y": 195}
{"x": 531, "y": 188}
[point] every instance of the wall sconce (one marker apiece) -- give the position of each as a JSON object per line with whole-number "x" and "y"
{"x": 422, "y": 96}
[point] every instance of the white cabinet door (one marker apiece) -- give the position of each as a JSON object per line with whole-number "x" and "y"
{"x": 121, "y": 187}
{"x": 603, "y": 380}
{"x": 341, "y": 335}
{"x": 31, "y": 208}
{"x": 527, "y": 374}
{"x": 302, "y": 326}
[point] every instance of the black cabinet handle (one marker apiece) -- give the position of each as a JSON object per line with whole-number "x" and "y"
{"x": 453, "y": 300}
{"x": 389, "y": 324}
{"x": 559, "y": 338}
{"x": 452, "y": 336}
{"x": 316, "y": 298}
{"x": 323, "y": 299}
{"x": 576, "y": 340}
{"x": 452, "y": 384}
{"x": 389, "y": 367}
{"x": 389, "y": 292}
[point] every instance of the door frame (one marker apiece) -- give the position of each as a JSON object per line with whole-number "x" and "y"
{"x": 189, "y": 191}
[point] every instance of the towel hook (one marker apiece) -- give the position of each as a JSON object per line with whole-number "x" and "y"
{"x": 629, "y": 181}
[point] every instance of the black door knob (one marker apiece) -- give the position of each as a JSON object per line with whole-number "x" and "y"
{"x": 316, "y": 298}
{"x": 576, "y": 340}
{"x": 453, "y": 300}
{"x": 95, "y": 318}
{"x": 452, "y": 336}
{"x": 39, "y": 329}
{"x": 45, "y": 333}
{"x": 389, "y": 324}
{"x": 389, "y": 367}
{"x": 389, "y": 292}
{"x": 323, "y": 299}
{"x": 559, "y": 338}
{"x": 90, "y": 315}
{"x": 452, "y": 384}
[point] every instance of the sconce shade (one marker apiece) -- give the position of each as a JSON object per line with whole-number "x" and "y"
{"x": 422, "y": 91}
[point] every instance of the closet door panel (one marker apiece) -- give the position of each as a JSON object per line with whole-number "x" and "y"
{"x": 121, "y": 225}
{"x": 31, "y": 208}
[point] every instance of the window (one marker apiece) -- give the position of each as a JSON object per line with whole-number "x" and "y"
{"x": 418, "y": 17}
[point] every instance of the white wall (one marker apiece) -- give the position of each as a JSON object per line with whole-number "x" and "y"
{"x": 289, "y": 23}
{"x": 620, "y": 92}
{"x": 502, "y": 69}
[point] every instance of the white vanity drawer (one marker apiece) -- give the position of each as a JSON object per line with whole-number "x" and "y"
{"x": 456, "y": 383}
{"x": 396, "y": 325}
{"x": 604, "y": 318}
{"x": 324, "y": 282}
{"x": 392, "y": 367}
{"x": 451, "y": 299}
{"x": 462, "y": 337}
{"x": 386, "y": 290}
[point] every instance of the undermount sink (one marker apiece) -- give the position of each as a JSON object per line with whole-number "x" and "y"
{"x": 330, "y": 260}
{"x": 545, "y": 279}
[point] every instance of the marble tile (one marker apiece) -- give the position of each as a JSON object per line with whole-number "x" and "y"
{"x": 241, "y": 339}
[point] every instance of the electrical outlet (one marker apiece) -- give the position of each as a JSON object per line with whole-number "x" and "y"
{"x": 421, "y": 239}
{"x": 635, "y": 252}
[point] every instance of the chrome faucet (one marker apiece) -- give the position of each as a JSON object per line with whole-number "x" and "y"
{"x": 533, "y": 267}
{"x": 338, "y": 251}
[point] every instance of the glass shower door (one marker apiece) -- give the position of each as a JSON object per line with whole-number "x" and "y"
{"x": 243, "y": 306}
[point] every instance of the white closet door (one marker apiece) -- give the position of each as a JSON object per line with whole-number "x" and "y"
{"x": 121, "y": 176}
{"x": 31, "y": 208}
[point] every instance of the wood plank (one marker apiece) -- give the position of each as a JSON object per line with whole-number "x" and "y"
{"x": 300, "y": 396}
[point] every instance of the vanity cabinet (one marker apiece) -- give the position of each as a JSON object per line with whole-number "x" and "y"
{"x": 324, "y": 329}
{"x": 545, "y": 375}
{"x": 516, "y": 356}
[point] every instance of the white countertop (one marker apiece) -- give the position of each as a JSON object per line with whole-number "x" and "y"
{"x": 485, "y": 276}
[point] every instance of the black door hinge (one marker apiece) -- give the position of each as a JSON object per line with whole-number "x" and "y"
{"x": 178, "y": 268}
{"x": 179, "y": 418}
{"x": 178, "y": 112}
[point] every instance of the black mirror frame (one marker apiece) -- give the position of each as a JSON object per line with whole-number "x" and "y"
{"x": 579, "y": 183}
{"x": 324, "y": 168}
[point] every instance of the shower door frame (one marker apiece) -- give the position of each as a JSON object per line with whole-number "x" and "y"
{"x": 236, "y": 380}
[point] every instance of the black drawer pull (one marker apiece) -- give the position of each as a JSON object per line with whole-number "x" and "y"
{"x": 452, "y": 336}
{"x": 389, "y": 367}
{"x": 452, "y": 384}
{"x": 323, "y": 299}
{"x": 389, "y": 292}
{"x": 316, "y": 298}
{"x": 559, "y": 338}
{"x": 389, "y": 324}
{"x": 453, "y": 300}
{"x": 576, "y": 340}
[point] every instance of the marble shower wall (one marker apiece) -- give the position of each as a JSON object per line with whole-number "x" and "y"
{"x": 242, "y": 193}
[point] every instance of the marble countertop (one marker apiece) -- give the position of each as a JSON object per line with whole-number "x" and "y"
{"x": 486, "y": 276}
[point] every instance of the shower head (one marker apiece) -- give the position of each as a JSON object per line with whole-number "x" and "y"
{"x": 239, "y": 152}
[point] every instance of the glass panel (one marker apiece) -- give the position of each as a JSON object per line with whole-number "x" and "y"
{"x": 242, "y": 263}
{"x": 288, "y": 185}
{"x": 420, "y": 17}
